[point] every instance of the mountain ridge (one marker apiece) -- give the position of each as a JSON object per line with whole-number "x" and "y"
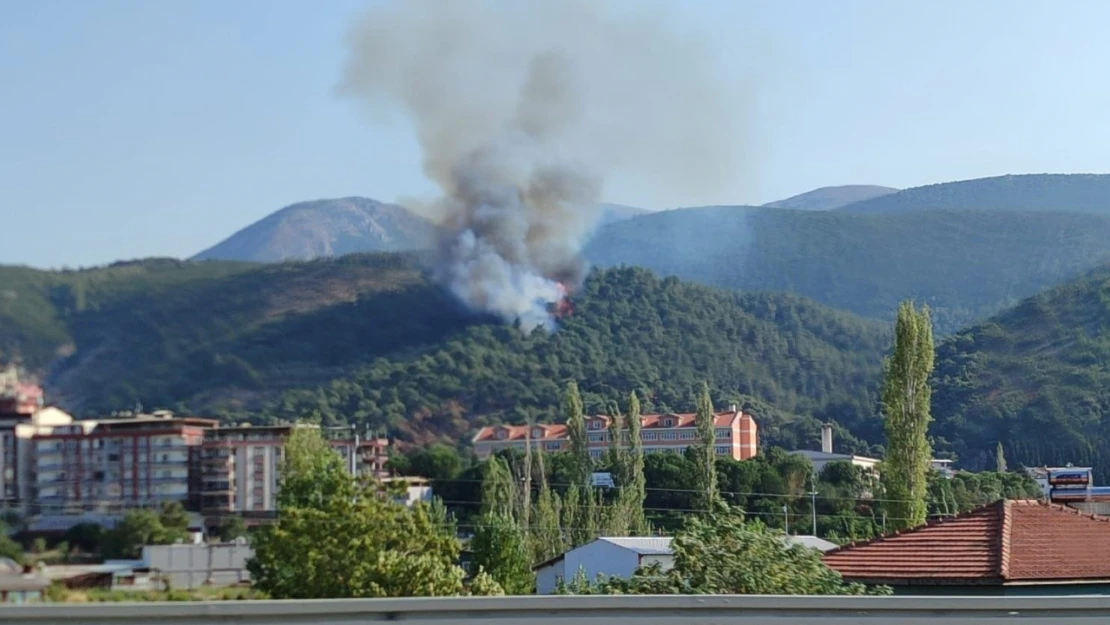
{"x": 830, "y": 198}
{"x": 1084, "y": 193}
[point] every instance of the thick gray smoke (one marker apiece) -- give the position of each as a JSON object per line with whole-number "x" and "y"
{"x": 522, "y": 110}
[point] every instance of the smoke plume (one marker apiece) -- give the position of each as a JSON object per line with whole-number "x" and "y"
{"x": 522, "y": 110}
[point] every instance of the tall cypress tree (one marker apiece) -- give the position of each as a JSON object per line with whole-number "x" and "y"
{"x": 637, "y": 484}
{"x": 576, "y": 432}
{"x": 905, "y": 399}
{"x": 706, "y": 430}
{"x": 1000, "y": 458}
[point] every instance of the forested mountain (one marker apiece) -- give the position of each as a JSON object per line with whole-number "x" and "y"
{"x": 828, "y": 198}
{"x": 781, "y": 355}
{"x": 966, "y": 265}
{"x": 1036, "y": 377}
{"x": 1080, "y": 193}
{"x": 367, "y": 339}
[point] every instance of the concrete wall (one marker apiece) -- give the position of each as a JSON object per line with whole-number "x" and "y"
{"x": 191, "y": 566}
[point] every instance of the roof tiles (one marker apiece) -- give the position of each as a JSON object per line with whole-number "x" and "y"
{"x": 647, "y": 422}
{"x": 1008, "y": 541}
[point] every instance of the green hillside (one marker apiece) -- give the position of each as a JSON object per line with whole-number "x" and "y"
{"x": 967, "y": 265}
{"x": 630, "y": 330}
{"x": 365, "y": 339}
{"x": 1080, "y": 193}
{"x": 37, "y": 307}
{"x": 1036, "y": 377}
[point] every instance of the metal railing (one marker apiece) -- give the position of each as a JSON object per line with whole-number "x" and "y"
{"x": 590, "y": 610}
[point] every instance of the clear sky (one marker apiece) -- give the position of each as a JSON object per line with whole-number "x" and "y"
{"x": 133, "y": 128}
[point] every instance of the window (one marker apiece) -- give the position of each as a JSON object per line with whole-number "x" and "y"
{"x": 501, "y": 434}
{"x": 670, "y": 436}
{"x": 724, "y": 450}
{"x": 553, "y": 446}
{"x": 596, "y": 453}
{"x": 722, "y": 433}
{"x": 667, "y": 423}
{"x": 596, "y": 438}
{"x": 687, "y": 435}
{"x": 595, "y": 424}
{"x": 648, "y": 436}
{"x": 537, "y": 433}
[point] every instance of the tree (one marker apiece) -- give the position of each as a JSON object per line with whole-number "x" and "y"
{"x": 637, "y": 486}
{"x": 174, "y": 520}
{"x": 336, "y": 539}
{"x": 312, "y": 472}
{"x": 720, "y": 553}
{"x": 499, "y": 493}
{"x": 999, "y": 458}
{"x": 88, "y": 537}
{"x": 10, "y": 548}
{"x": 437, "y": 463}
{"x": 500, "y": 548}
{"x": 576, "y": 433}
{"x": 905, "y": 399}
{"x": 143, "y": 526}
{"x": 707, "y": 451}
{"x": 230, "y": 528}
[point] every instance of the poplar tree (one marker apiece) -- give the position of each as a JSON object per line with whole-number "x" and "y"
{"x": 1000, "y": 458}
{"x": 706, "y": 430}
{"x": 637, "y": 485}
{"x": 576, "y": 432}
{"x": 905, "y": 400}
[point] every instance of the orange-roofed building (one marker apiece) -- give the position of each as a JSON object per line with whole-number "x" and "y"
{"x": 737, "y": 435}
{"x": 1005, "y": 548}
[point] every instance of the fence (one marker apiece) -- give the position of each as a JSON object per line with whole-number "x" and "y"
{"x": 590, "y": 610}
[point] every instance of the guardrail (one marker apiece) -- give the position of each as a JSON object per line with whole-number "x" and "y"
{"x": 588, "y": 610}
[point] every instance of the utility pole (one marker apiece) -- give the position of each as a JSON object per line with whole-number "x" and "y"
{"x": 813, "y": 502}
{"x": 354, "y": 452}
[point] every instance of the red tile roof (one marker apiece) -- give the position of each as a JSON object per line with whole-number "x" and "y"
{"x": 651, "y": 421}
{"x": 1007, "y": 541}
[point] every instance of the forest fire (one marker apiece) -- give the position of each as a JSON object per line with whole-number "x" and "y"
{"x": 564, "y": 307}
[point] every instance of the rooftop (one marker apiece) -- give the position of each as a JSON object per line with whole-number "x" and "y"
{"x": 1004, "y": 542}
{"x": 645, "y": 545}
{"x": 647, "y": 422}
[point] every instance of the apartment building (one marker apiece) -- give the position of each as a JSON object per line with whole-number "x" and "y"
{"x": 108, "y": 465}
{"x": 17, "y": 431}
{"x": 18, "y": 397}
{"x": 241, "y": 466}
{"x": 737, "y": 435}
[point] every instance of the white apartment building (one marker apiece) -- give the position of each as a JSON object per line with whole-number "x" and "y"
{"x": 17, "y": 431}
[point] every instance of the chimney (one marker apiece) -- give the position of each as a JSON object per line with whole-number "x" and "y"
{"x": 733, "y": 409}
{"x": 826, "y": 438}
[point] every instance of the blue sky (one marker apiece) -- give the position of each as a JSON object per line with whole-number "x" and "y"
{"x": 133, "y": 128}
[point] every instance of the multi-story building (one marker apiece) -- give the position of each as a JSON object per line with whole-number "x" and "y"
{"x": 17, "y": 431}
{"x": 737, "y": 435}
{"x": 108, "y": 465}
{"x": 241, "y": 466}
{"x": 18, "y": 397}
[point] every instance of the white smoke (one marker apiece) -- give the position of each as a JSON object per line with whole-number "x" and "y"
{"x": 522, "y": 109}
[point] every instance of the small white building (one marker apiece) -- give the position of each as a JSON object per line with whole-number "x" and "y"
{"x": 821, "y": 459}
{"x": 607, "y": 556}
{"x": 620, "y": 557}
